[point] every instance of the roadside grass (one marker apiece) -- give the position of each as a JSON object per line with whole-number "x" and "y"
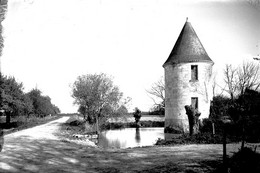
{"x": 24, "y": 122}
{"x": 76, "y": 125}
{"x": 187, "y": 166}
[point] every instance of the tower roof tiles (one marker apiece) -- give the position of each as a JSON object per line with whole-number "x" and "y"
{"x": 187, "y": 48}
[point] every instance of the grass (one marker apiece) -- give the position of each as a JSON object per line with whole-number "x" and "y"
{"x": 245, "y": 160}
{"x": 24, "y": 122}
{"x": 200, "y": 138}
{"x": 76, "y": 125}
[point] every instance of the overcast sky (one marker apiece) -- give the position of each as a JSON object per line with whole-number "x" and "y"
{"x": 48, "y": 43}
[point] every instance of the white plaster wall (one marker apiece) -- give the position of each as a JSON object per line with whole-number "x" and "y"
{"x": 179, "y": 89}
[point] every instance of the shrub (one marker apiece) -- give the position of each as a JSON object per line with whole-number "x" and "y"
{"x": 245, "y": 160}
{"x": 171, "y": 129}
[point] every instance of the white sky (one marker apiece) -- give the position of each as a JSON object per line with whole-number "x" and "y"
{"x": 49, "y": 43}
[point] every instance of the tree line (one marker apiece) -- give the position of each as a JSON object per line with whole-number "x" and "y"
{"x": 241, "y": 103}
{"x": 16, "y": 102}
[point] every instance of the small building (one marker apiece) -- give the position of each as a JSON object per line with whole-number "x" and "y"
{"x": 188, "y": 72}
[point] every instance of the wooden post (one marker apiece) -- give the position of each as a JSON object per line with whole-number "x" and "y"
{"x": 97, "y": 128}
{"x": 225, "y": 147}
{"x": 213, "y": 128}
{"x": 243, "y": 137}
{"x": 226, "y": 121}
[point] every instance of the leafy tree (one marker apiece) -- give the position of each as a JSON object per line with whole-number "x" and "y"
{"x": 42, "y": 105}
{"x": 137, "y": 115}
{"x": 13, "y": 100}
{"x": 122, "y": 110}
{"x": 249, "y": 112}
{"x": 219, "y": 107}
{"x": 96, "y": 96}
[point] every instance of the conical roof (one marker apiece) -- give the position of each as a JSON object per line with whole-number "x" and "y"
{"x": 187, "y": 48}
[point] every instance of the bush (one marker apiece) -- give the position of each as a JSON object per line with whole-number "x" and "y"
{"x": 174, "y": 130}
{"x": 76, "y": 123}
{"x": 245, "y": 160}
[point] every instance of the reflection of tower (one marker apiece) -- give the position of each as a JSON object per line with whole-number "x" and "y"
{"x": 137, "y": 135}
{"x": 187, "y": 76}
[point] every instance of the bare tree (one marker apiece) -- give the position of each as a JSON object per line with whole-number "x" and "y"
{"x": 245, "y": 76}
{"x": 248, "y": 76}
{"x": 214, "y": 85}
{"x": 230, "y": 78}
{"x": 216, "y": 88}
{"x": 157, "y": 92}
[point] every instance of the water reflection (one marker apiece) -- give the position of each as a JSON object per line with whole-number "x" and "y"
{"x": 130, "y": 137}
{"x": 137, "y": 135}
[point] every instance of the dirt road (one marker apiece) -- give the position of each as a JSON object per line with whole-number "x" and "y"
{"x": 38, "y": 150}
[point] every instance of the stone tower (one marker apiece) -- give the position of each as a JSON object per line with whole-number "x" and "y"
{"x": 188, "y": 72}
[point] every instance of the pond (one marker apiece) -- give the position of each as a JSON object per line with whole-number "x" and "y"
{"x": 130, "y": 137}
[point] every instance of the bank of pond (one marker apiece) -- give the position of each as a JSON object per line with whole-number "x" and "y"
{"x": 125, "y": 135}
{"x": 121, "y": 125}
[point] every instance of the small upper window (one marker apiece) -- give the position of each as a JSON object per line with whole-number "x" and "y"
{"x": 194, "y": 72}
{"x": 194, "y": 102}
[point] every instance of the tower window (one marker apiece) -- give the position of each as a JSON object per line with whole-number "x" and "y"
{"x": 194, "y": 72}
{"x": 194, "y": 102}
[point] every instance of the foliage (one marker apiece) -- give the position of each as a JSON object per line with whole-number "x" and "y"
{"x": 173, "y": 130}
{"x": 15, "y": 102}
{"x": 244, "y": 112}
{"x": 157, "y": 110}
{"x": 219, "y": 108}
{"x": 137, "y": 115}
{"x": 42, "y": 105}
{"x": 98, "y": 98}
{"x": 245, "y": 160}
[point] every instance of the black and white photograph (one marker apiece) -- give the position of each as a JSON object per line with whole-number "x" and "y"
{"x": 130, "y": 86}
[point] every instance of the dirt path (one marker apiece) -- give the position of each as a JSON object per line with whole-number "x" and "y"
{"x": 38, "y": 150}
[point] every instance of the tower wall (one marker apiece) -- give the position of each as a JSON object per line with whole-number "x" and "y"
{"x": 179, "y": 89}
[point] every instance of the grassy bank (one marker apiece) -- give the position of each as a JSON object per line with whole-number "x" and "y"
{"x": 76, "y": 125}
{"x": 24, "y": 122}
{"x": 201, "y": 138}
